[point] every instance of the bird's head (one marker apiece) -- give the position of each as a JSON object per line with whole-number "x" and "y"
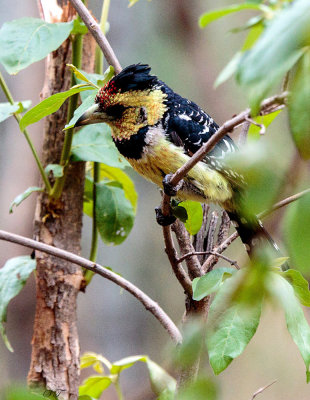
{"x": 129, "y": 101}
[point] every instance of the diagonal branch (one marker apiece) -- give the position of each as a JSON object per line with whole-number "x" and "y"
{"x": 98, "y": 35}
{"x": 148, "y": 303}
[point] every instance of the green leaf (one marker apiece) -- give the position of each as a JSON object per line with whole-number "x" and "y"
{"x": 81, "y": 76}
{"x": 213, "y": 15}
{"x": 210, "y": 282}
{"x": 94, "y": 143}
{"x": 116, "y": 174}
{"x": 231, "y": 325}
{"x": 194, "y": 216}
{"x": 228, "y": 70}
{"x": 264, "y": 65}
{"x": 21, "y": 197}
{"x": 17, "y": 392}
{"x": 27, "y": 40}
{"x": 297, "y": 233}
{"x": 13, "y": 276}
{"x": 56, "y": 169}
{"x": 299, "y": 106}
{"x": 94, "y": 360}
{"x": 254, "y": 130}
{"x": 297, "y": 324}
{"x": 161, "y": 381}
{"x": 125, "y": 363}
{"x": 300, "y": 285}
{"x": 49, "y": 106}
{"x": 114, "y": 213}
{"x": 79, "y": 27}
{"x": 8, "y": 109}
{"x": 89, "y": 101}
{"x": 201, "y": 389}
{"x": 252, "y": 36}
{"x": 94, "y": 386}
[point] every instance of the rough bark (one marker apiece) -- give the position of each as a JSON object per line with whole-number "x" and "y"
{"x": 55, "y": 344}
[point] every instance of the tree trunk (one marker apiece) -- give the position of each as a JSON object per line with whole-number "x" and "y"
{"x": 55, "y": 344}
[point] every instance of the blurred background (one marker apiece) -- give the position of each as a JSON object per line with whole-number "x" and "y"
{"x": 165, "y": 34}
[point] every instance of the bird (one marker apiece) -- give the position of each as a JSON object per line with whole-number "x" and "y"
{"x": 157, "y": 131}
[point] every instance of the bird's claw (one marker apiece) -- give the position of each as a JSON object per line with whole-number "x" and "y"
{"x": 164, "y": 220}
{"x": 169, "y": 189}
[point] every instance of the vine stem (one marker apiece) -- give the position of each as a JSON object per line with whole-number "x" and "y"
{"x": 77, "y": 47}
{"x": 17, "y": 117}
{"x": 148, "y": 303}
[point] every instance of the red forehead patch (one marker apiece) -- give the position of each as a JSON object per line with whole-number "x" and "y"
{"x": 105, "y": 93}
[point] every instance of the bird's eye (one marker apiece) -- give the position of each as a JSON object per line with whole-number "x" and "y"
{"x": 142, "y": 115}
{"x": 115, "y": 111}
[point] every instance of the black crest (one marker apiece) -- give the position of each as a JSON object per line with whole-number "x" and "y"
{"x": 135, "y": 77}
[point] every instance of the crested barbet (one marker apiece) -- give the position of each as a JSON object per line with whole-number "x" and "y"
{"x": 157, "y": 131}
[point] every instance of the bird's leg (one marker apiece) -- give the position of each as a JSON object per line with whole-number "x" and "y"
{"x": 164, "y": 220}
{"x": 169, "y": 189}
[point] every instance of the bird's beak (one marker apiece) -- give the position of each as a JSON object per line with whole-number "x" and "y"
{"x": 92, "y": 116}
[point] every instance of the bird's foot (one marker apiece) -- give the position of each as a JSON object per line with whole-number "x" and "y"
{"x": 164, "y": 220}
{"x": 169, "y": 189}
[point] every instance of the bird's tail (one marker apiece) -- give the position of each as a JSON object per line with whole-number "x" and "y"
{"x": 252, "y": 234}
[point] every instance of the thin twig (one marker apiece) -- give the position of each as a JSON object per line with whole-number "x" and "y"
{"x": 283, "y": 203}
{"x": 98, "y": 35}
{"x": 197, "y": 253}
{"x": 262, "y": 389}
{"x": 148, "y": 303}
{"x": 261, "y": 126}
{"x": 211, "y": 231}
{"x": 244, "y": 133}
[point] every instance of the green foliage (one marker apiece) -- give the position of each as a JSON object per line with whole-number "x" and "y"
{"x": 17, "y": 392}
{"x": 299, "y": 105}
{"x": 265, "y": 120}
{"x": 8, "y": 109}
{"x": 50, "y": 105}
{"x": 94, "y": 143}
{"x": 114, "y": 213}
{"x": 299, "y": 284}
{"x": 27, "y": 40}
{"x": 297, "y": 233}
{"x": 210, "y": 282}
{"x": 231, "y": 324}
{"x": 56, "y": 169}
{"x": 94, "y": 386}
{"x": 194, "y": 216}
{"x": 211, "y": 16}
{"x": 201, "y": 389}
{"x": 13, "y": 276}
{"x": 297, "y": 324}
{"x": 23, "y": 196}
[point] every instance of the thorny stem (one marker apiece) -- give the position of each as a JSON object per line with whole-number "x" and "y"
{"x": 77, "y": 47}
{"x": 17, "y": 116}
{"x": 148, "y": 303}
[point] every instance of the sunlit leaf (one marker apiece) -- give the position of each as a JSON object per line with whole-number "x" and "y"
{"x": 213, "y": 15}
{"x": 194, "y": 216}
{"x": 94, "y": 143}
{"x": 231, "y": 325}
{"x": 299, "y": 106}
{"x": 92, "y": 359}
{"x": 79, "y": 27}
{"x": 126, "y": 362}
{"x": 8, "y": 109}
{"x": 297, "y": 324}
{"x": 300, "y": 285}
{"x": 266, "y": 120}
{"x": 13, "y": 276}
{"x": 114, "y": 213}
{"x": 94, "y": 386}
{"x": 27, "y": 40}
{"x": 21, "y": 197}
{"x": 297, "y": 233}
{"x": 210, "y": 282}
{"x": 81, "y": 76}
{"x": 49, "y": 106}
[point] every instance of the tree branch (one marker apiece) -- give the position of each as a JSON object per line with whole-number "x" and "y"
{"x": 98, "y": 35}
{"x": 148, "y": 303}
{"x": 197, "y": 253}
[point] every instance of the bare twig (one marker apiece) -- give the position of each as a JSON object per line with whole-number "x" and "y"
{"x": 259, "y": 391}
{"x": 211, "y": 231}
{"x": 197, "y": 253}
{"x": 224, "y": 228}
{"x": 193, "y": 265}
{"x": 98, "y": 35}
{"x": 177, "y": 268}
{"x": 148, "y": 303}
{"x": 261, "y": 126}
{"x": 283, "y": 203}
{"x": 244, "y": 133}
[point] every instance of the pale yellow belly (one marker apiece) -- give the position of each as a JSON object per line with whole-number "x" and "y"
{"x": 202, "y": 183}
